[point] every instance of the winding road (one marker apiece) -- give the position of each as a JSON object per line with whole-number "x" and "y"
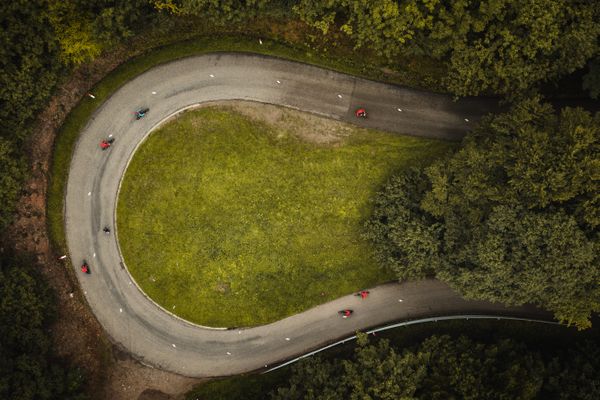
{"x": 160, "y": 339}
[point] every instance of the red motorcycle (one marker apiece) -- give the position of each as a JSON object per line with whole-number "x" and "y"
{"x": 345, "y": 313}
{"x": 85, "y": 268}
{"x": 106, "y": 143}
{"x": 361, "y": 113}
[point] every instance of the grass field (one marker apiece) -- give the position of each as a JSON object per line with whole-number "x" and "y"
{"x": 227, "y": 221}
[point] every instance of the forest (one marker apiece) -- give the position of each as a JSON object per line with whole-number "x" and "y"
{"x": 511, "y": 216}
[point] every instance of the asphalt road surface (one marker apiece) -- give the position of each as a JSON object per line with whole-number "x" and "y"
{"x": 156, "y": 337}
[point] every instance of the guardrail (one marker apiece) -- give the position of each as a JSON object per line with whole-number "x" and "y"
{"x": 407, "y": 323}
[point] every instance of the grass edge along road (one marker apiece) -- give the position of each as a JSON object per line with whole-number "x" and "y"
{"x": 254, "y": 223}
{"x": 78, "y": 117}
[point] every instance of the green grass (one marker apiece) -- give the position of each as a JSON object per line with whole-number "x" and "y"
{"x": 349, "y": 62}
{"x": 234, "y": 224}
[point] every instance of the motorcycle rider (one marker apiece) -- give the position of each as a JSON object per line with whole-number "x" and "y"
{"x": 361, "y": 113}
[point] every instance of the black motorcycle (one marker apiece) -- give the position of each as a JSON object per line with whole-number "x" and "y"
{"x": 141, "y": 113}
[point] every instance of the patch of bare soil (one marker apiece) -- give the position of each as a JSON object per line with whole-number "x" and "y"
{"x": 286, "y": 121}
{"x": 130, "y": 380}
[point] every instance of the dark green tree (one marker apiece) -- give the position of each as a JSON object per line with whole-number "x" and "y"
{"x": 408, "y": 240}
{"x": 215, "y": 11}
{"x": 85, "y": 28}
{"x": 464, "y": 369}
{"x": 510, "y": 46}
{"x": 591, "y": 80}
{"x": 11, "y": 178}
{"x": 27, "y": 370}
{"x": 386, "y": 26}
{"x": 500, "y": 46}
{"x": 28, "y": 64}
{"x": 375, "y": 372}
{"x": 441, "y": 367}
{"x": 574, "y": 374}
{"x": 519, "y": 256}
{"x": 528, "y": 156}
{"x": 511, "y": 217}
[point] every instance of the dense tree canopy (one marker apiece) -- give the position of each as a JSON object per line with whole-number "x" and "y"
{"x": 12, "y": 167}
{"x": 511, "y": 217}
{"x": 409, "y": 241}
{"x": 26, "y": 368}
{"x": 84, "y": 28}
{"x": 574, "y": 374}
{"x": 442, "y": 367}
{"x": 217, "y": 11}
{"x": 28, "y": 64}
{"x": 591, "y": 81}
{"x": 499, "y": 46}
{"x": 377, "y": 372}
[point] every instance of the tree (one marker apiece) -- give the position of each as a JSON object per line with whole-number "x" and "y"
{"x": 528, "y": 156}
{"x": 573, "y": 374}
{"x": 384, "y": 26}
{"x": 28, "y": 64}
{"x": 460, "y": 368}
{"x": 216, "y": 11}
{"x": 375, "y": 372}
{"x": 114, "y": 20}
{"x": 27, "y": 370}
{"x": 74, "y": 33}
{"x": 13, "y": 175}
{"x": 521, "y": 256}
{"x": 85, "y": 28}
{"x": 501, "y": 46}
{"x": 440, "y": 367}
{"x": 510, "y": 46}
{"x": 511, "y": 217}
{"x": 407, "y": 239}
{"x": 591, "y": 80}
